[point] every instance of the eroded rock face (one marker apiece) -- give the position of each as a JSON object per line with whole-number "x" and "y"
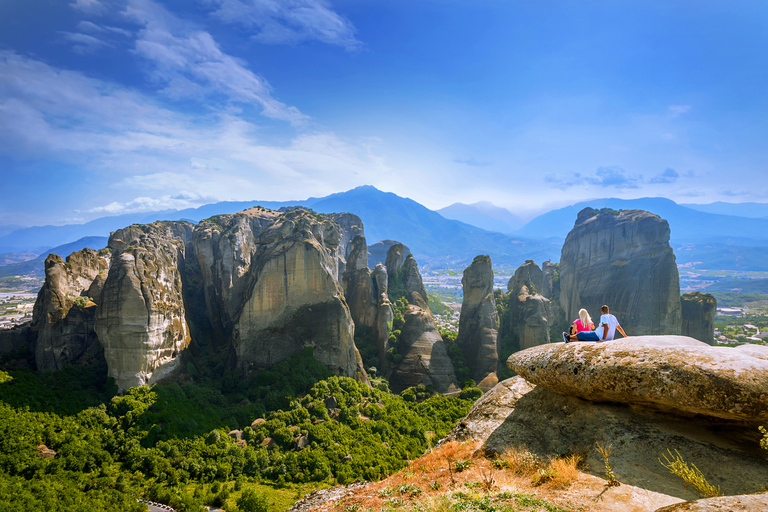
{"x": 294, "y": 299}
{"x": 425, "y": 358}
{"x": 669, "y": 373}
{"x": 698, "y": 312}
{"x": 622, "y": 259}
{"x": 360, "y": 286}
{"x": 739, "y": 503}
{"x": 530, "y": 314}
{"x": 377, "y": 253}
{"x": 550, "y": 287}
{"x": 394, "y": 262}
{"x": 64, "y": 313}
{"x": 479, "y": 323}
{"x": 141, "y": 320}
{"x": 515, "y": 413}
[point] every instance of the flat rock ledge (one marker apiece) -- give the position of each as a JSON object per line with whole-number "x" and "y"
{"x": 670, "y": 373}
{"x": 740, "y": 503}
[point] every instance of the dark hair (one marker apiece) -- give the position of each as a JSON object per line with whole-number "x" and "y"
{"x": 604, "y": 308}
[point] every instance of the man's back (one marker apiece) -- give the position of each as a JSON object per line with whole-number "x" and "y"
{"x": 612, "y": 322}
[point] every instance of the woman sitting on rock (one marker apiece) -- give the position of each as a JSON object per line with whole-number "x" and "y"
{"x": 582, "y": 324}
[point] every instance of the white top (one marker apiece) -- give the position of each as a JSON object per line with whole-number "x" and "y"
{"x": 611, "y": 322}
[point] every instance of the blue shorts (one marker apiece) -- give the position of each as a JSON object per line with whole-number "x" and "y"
{"x": 587, "y": 336}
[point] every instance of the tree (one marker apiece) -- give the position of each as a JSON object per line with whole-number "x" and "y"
{"x": 252, "y": 501}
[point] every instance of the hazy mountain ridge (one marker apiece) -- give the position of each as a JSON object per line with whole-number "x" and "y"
{"x": 483, "y": 214}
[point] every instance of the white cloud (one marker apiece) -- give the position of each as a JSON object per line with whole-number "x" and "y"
{"x": 678, "y": 110}
{"x": 189, "y": 62}
{"x": 84, "y": 43}
{"x": 149, "y": 151}
{"x": 288, "y": 21}
{"x": 89, "y": 6}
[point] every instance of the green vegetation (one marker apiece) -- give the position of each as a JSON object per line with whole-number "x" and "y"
{"x": 437, "y": 306}
{"x": 690, "y": 475}
{"x": 170, "y": 443}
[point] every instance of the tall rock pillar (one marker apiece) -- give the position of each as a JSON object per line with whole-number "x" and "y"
{"x": 698, "y": 311}
{"x": 479, "y": 323}
{"x": 622, "y": 259}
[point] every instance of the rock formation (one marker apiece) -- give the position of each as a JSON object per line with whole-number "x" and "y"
{"x": 479, "y": 323}
{"x": 377, "y": 253}
{"x": 360, "y": 286}
{"x": 260, "y": 283}
{"x": 141, "y": 320}
{"x": 550, "y": 287}
{"x": 64, "y": 313}
{"x": 425, "y": 358}
{"x": 698, "y": 312}
{"x": 738, "y": 503}
{"x": 517, "y": 414}
{"x": 394, "y": 263}
{"x": 530, "y": 314}
{"x": 669, "y": 373}
{"x": 622, "y": 259}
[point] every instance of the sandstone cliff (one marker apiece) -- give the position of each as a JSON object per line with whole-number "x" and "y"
{"x": 479, "y": 323}
{"x": 64, "y": 313}
{"x": 622, "y": 259}
{"x": 698, "y": 312}
{"x": 530, "y": 314}
{"x": 424, "y": 357}
{"x": 140, "y": 319}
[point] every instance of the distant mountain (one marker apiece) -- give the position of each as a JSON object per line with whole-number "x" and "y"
{"x": 433, "y": 239}
{"x": 686, "y": 224}
{"x": 751, "y": 210}
{"x": 483, "y": 215}
{"x": 35, "y": 266}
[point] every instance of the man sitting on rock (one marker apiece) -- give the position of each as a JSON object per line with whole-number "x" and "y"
{"x": 605, "y": 331}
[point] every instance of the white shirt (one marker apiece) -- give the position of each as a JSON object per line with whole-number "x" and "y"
{"x": 611, "y": 322}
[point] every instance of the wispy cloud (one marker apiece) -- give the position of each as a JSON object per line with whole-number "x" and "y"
{"x": 288, "y": 21}
{"x": 604, "y": 177}
{"x": 84, "y": 43}
{"x": 89, "y": 6}
{"x": 678, "y": 110}
{"x": 668, "y": 176}
{"x": 188, "y": 61}
{"x": 173, "y": 158}
{"x": 472, "y": 162}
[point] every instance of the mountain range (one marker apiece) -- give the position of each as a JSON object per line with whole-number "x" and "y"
{"x": 452, "y": 236}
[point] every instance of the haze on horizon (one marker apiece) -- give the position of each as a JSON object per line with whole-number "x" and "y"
{"x": 118, "y": 106}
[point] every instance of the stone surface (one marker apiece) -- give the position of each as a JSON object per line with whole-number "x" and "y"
{"x": 698, "y": 312}
{"x": 530, "y": 275}
{"x": 550, "y": 287}
{"x": 517, "y": 414}
{"x": 65, "y": 331}
{"x": 479, "y": 323}
{"x": 622, "y": 259}
{"x": 739, "y": 503}
{"x": 530, "y": 314}
{"x": 294, "y": 298}
{"x": 671, "y": 373}
{"x": 360, "y": 287}
{"x": 425, "y": 358}
{"x": 141, "y": 320}
{"x": 394, "y": 262}
{"x": 377, "y": 253}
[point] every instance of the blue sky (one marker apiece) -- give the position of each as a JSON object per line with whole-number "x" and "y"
{"x": 114, "y": 106}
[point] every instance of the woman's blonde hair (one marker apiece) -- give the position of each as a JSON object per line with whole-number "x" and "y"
{"x": 586, "y": 320}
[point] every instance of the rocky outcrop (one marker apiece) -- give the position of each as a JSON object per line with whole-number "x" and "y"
{"x": 141, "y": 320}
{"x": 424, "y": 357}
{"x": 360, "y": 287}
{"x": 394, "y": 263}
{"x": 530, "y": 314}
{"x": 669, "y": 373}
{"x": 64, "y": 313}
{"x": 377, "y": 253}
{"x": 518, "y": 414}
{"x": 294, "y": 299}
{"x": 622, "y": 259}
{"x": 550, "y": 287}
{"x": 739, "y": 503}
{"x": 698, "y": 312}
{"x": 479, "y": 323}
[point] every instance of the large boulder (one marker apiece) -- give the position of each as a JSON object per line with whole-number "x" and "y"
{"x": 64, "y": 313}
{"x": 141, "y": 320}
{"x": 516, "y": 414}
{"x": 479, "y": 323}
{"x": 669, "y": 373}
{"x": 698, "y": 312}
{"x": 622, "y": 259}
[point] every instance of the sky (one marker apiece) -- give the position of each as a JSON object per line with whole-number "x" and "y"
{"x": 118, "y": 106}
